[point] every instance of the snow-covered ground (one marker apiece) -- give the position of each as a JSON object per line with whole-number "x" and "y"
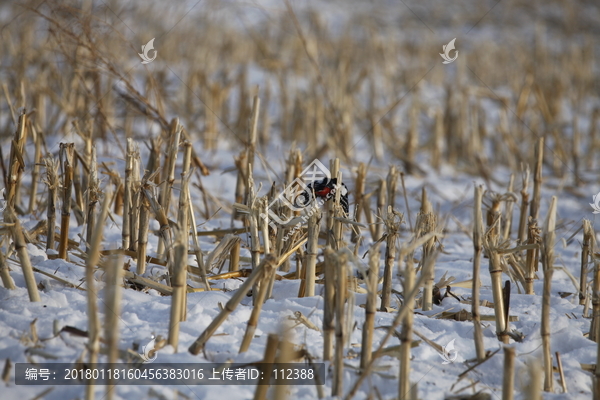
{"x": 146, "y": 314}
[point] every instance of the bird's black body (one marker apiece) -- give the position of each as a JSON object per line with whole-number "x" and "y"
{"x": 325, "y": 189}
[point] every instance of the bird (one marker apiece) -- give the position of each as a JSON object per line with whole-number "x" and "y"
{"x": 324, "y": 189}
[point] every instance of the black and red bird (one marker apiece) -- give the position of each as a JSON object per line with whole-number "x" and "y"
{"x": 324, "y": 189}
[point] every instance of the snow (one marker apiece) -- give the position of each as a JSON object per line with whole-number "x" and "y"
{"x": 146, "y": 314}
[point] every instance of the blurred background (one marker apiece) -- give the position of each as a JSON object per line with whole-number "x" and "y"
{"x": 363, "y": 81}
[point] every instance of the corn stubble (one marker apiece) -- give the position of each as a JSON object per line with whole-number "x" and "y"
{"x": 320, "y": 120}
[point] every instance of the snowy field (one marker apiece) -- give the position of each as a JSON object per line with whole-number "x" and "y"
{"x": 405, "y": 90}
